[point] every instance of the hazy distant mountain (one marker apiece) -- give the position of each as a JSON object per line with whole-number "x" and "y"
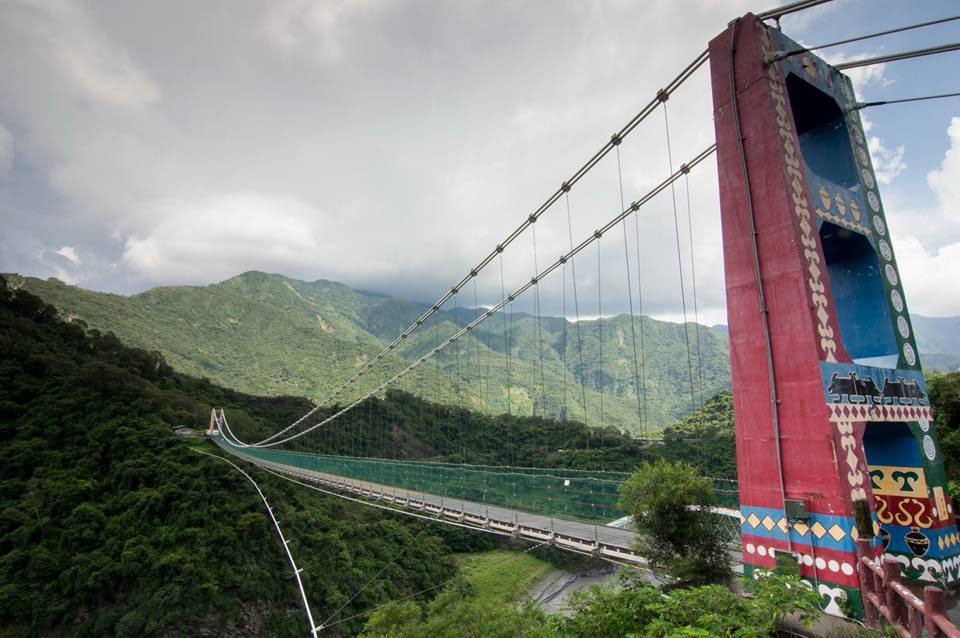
{"x": 938, "y": 339}
{"x": 268, "y": 334}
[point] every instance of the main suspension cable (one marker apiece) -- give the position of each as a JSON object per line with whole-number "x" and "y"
{"x": 793, "y": 7}
{"x": 893, "y": 57}
{"x": 645, "y": 112}
{"x": 786, "y": 54}
{"x": 635, "y": 206}
{"x": 863, "y": 105}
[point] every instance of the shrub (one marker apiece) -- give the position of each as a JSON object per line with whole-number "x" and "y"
{"x": 675, "y": 533}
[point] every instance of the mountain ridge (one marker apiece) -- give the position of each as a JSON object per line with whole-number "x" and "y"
{"x": 271, "y": 334}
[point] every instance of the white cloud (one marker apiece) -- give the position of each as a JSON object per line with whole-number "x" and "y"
{"x": 220, "y": 236}
{"x": 930, "y": 266}
{"x": 946, "y": 181}
{"x": 887, "y": 163}
{"x": 6, "y": 151}
{"x": 69, "y": 253}
{"x": 930, "y": 277}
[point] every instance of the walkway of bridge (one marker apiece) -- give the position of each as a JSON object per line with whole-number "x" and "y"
{"x": 603, "y": 541}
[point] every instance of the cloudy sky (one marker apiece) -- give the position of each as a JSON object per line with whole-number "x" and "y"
{"x": 390, "y": 144}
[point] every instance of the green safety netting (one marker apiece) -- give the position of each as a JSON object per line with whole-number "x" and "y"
{"x": 583, "y": 495}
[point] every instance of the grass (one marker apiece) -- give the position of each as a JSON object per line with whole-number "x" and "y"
{"x": 502, "y": 575}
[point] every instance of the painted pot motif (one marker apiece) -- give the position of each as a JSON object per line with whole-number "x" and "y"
{"x": 917, "y": 542}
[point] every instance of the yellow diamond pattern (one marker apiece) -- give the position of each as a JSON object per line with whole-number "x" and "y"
{"x": 801, "y": 528}
{"x": 948, "y": 541}
{"x": 768, "y": 522}
{"x": 836, "y": 532}
{"x": 782, "y": 524}
{"x": 818, "y": 530}
{"x": 753, "y": 520}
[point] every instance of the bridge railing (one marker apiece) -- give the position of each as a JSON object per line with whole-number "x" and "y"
{"x": 884, "y": 595}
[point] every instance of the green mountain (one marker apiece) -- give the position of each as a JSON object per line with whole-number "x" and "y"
{"x": 268, "y": 334}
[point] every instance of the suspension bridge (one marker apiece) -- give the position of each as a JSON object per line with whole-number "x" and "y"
{"x": 830, "y": 402}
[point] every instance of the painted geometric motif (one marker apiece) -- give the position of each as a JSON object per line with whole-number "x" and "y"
{"x": 858, "y": 384}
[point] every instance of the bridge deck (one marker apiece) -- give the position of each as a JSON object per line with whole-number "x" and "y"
{"x": 600, "y": 540}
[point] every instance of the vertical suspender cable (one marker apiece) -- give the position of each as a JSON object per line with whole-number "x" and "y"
{"x": 506, "y": 337}
{"x": 576, "y": 316}
{"x": 480, "y": 379}
{"x": 633, "y": 328}
{"x": 538, "y": 336}
{"x": 645, "y": 421}
{"x": 676, "y": 228}
{"x": 693, "y": 276}
{"x": 566, "y": 412}
{"x": 460, "y": 402}
{"x": 600, "y": 332}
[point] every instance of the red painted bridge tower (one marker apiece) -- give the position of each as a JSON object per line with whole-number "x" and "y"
{"x": 834, "y": 434}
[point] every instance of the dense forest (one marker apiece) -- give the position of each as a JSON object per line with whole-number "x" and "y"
{"x": 112, "y": 525}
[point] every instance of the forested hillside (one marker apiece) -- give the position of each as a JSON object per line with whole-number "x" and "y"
{"x": 267, "y": 334}
{"x": 112, "y": 525}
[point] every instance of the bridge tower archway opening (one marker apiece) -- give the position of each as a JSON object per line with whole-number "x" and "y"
{"x": 902, "y": 503}
{"x": 858, "y": 292}
{"x": 822, "y": 133}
